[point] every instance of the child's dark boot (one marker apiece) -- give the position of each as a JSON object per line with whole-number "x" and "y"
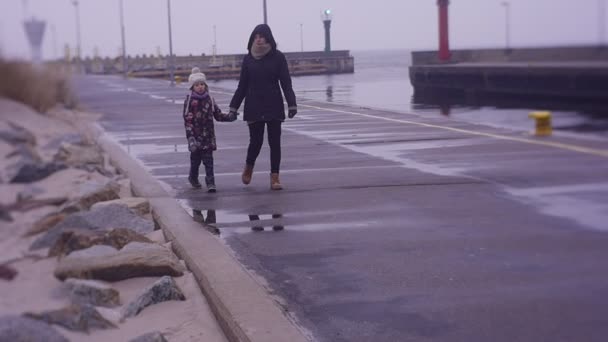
{"x": 210, "y": 184}
{"x": 194, "y": 182}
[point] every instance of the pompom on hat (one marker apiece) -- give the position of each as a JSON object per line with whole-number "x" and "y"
{"x": 196, "y": 76}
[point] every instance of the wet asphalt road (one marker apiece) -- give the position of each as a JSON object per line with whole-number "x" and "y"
{"x": 396, "y": 228}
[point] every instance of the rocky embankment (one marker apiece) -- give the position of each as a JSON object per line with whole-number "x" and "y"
{"x": 80, "y": 257}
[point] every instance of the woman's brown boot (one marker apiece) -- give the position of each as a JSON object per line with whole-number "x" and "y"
{"x": 275, "y": 184}
{"x": 247, "y": 174}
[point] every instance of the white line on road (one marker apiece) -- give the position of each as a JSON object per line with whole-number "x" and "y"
{"x": 283, "y": 171}
{"x": 558, "y": 145}
{"x": 563, "y": 146}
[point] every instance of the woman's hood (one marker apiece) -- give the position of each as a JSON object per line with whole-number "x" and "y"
{"x": 263, "y": 30}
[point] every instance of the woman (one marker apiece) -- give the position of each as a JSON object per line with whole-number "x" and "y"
{"x": 263, "y": 68}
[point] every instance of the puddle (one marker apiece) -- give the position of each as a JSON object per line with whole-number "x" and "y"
{"x": 149, "y": 149}
{"x": 226, "y": 223}
{"x": 207, "y": 219}
{"x": 231, "y": 223}
{"x": 582, "y": 203}
{"x": 141, "y": 135}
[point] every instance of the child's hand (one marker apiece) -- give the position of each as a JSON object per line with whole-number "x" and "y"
{"x": 292, "y": 113}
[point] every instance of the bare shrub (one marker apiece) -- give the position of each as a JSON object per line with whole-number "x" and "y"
{"x": 38, "y": 86}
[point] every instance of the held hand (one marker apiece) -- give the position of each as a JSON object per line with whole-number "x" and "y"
{"x": 292, "y": 113}
{"x": 233, "y": 115}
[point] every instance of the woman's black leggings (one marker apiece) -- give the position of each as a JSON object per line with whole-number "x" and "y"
{"x": 256, "y": 139}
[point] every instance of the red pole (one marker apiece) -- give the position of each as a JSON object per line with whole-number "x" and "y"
{"x": 444, "y": 33}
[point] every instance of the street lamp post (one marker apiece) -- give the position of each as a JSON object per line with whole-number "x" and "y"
{"x": 507, "y": 7}
{"x": 302, "y": 37}
{"x": 265, "y": 14}
{"x": 601, "y": 4}
{"x": 122, "y": 36}
{"x": 24, "y": 8}
{"x": 54, "y": 37}
{"x": 214, "y": 41}
{"x": 170, "y": 61}
{"x": 78, "y": 41}
{"x": 326, "y": 17}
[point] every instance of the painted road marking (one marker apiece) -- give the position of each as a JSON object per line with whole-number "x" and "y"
{"x": 558, "y": 145}
{"x": 564, "y": 146}
{"x": 282, "y": 170}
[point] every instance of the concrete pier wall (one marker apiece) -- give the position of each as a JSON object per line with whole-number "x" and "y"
{"x": 221, "y": 66}
{"x": 549, "y": 54}
{"x": 568, "y": 73}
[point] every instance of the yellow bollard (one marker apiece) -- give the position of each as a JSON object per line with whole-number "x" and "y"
{"x": 543, "y": 123}
{"x": 178, "y": 79}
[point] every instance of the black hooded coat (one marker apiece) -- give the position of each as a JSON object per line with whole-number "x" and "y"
{"x": 259, "y": 82}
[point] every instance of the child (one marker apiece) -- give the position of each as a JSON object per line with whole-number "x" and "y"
{"x": 199, "y": 111}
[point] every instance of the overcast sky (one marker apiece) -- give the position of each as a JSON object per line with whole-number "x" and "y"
{"x": 357, "y": 24}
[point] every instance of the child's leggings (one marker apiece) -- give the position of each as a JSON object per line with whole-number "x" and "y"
{"x": 206, "y": 157}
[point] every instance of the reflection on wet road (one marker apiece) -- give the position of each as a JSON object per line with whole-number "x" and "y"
{"x": 209, "y": 220}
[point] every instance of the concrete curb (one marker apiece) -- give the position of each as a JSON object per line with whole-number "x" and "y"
{"x": 243, "y": 307}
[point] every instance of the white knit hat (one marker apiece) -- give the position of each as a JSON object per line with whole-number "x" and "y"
{"x": 196, "y": 76}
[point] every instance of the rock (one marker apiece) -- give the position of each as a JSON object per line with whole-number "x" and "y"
{"x": 75, "y": 155}
{"x": 45, "y": 223}
{"x": 17, "y": 135}
{"x": 90, "y": 193}
{"x": 7, "y": 272}
{"x": 30, "y": 191}
{"x": 73, "y": 239}
{"x": 157, "y": 236}
{"x": 25, "y": 153}
{"x": 77, "y": 239}
{"x": 23, "y": 329}
{"x": 103, "y": 218}
{"x": 72, "y": 139}
{"x": 120, "y": 237}
{"x": 31, "y": 204}
{"x": 74, "y": 317}
{"x": 105, "y": 263}
{"x": 31, "y": 172}
{"x": 97, "y": 251}
{"x": 92, "y": 292}
{"x": 65, "y": 183}
{"x": 5, "y": 215}
{"x": 125, "y": 188}
{"x": 111, "y": 314}
{"x": 138, "y": 205}
{"x": 150, "y": 337}
{"x": 162, "y": 290}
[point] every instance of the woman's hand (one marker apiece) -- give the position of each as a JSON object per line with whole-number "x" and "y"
{"x": 233, "y": 115}
{"x": 292, "y": 113}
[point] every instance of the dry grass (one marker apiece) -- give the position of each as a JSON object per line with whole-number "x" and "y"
{"x": 38, "y": 86}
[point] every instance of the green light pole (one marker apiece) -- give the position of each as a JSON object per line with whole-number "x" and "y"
{"x": 326, "y": 17}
